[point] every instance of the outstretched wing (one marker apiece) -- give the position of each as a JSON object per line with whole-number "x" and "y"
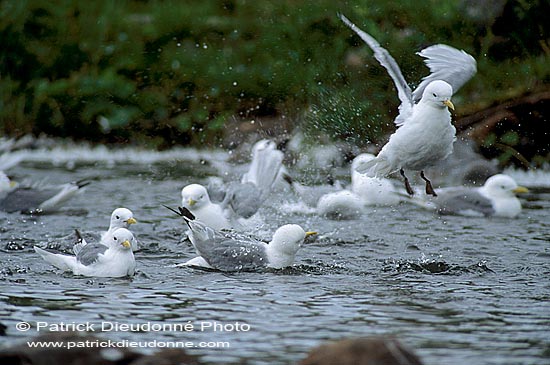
{"x": 446, "y": 63}
{"x": 388, "y": 62}
{"x": 264, "y": 168}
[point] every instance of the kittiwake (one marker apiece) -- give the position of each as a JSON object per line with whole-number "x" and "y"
{"x": 425, "y": 134}
{"x": 27, "y": 199}
{"x": 195, "y": 198}
{"x": 230, "y": 251}
{"x": 495, "y": 198}
{"x": 111, "y": 258}
{"x": 372, "y": 190}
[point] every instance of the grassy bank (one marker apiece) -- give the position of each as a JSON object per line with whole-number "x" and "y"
{"x": 169, "y": 72}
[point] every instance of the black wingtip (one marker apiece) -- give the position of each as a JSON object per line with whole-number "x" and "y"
{"x": 287, "y": 178}
{"x": 186, "y": 213}
{"x": 82, "y": 183}
{"x": 172, "y": 210}
{"x": 78, "y": 236}
{"x": 182, "y": 212}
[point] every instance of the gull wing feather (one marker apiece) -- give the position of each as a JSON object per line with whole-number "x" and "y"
{"x": 388, "y": 62}
{"x": 232, "y": 255}
{"x": 264, "y": 169}
{"x": 89, "y": 254}
{"x": 446, "y": 63}
{"x": 464, "y": 201}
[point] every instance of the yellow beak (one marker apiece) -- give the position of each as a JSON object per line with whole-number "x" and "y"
{"x": 126, "y": 244}
{"x": 191, "y": 202}
{"x": 13, "y": 184}
{"x": 520, "y": 189}
{"x": 449, "y": 104}
{"x": 131, "y": 220}
{"x": 310, "y": 233}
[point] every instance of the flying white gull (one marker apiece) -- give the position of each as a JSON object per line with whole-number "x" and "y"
{"x": 230, "y": 251}
{"x": 15, "y": 198}
{"x": 111, "y": 258}
{"x": 495, "y": 198}
{"x": 425, "y": 134}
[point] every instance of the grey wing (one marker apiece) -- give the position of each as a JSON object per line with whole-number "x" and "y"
{"x": 388, "y": 62}
{"x": 464, "y": 201}
{"x": 244, "y": 199}
{"x": 446, "y": 63}
{"x": 89, "y": 253}
{"x": 216, "y": 190}
{"x": 264, "y": 170}
{"x": 230, "y": 255}
{"x": 25, "y": 199}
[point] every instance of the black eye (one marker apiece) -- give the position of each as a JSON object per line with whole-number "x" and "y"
{"x": 435, "y": 96}
{"x": 115, "y": 238}
{"x": 117, "y": 217}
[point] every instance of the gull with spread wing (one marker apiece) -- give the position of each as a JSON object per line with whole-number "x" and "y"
{"x": 425, "y": 134}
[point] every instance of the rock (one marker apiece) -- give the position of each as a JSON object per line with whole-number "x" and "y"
{"x": 362, "y": 351}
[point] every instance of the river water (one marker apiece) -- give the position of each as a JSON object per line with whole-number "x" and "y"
{"x": 456, "y": 290}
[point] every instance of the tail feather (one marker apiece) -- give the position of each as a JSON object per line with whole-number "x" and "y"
{"x": 419, "y": 201}
{"x": 377, "y": 167}
{"x": 63, "y": 262}
{"x": 80, "y": 242}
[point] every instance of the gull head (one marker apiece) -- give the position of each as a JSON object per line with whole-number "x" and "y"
{"x": 502, "y": 186}
{"x": 122, "y": 218}
{"x": 121, "y": 238}
{"x": 439, "y": 93}
{"x": 287, "y": 238}
{"x": 262, "y": 145}
{"x": 194, "y": 196}
{"x": 5, "y": 183}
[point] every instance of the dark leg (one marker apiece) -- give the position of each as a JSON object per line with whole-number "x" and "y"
{"x": 429, "y": 188}
{"x": 410, "y": 191}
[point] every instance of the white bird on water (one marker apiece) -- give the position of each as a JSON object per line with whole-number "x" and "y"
{"x": 496, "y": 198}
{"x": 372, "y": 190}
{"x": 120, "y": 218}
{"x": 238, "y": 199}
{"x": 195, "y": 198}
{"x": 35, "y": 199}
{"x": 230, "y": 251}
{"x": 425, "y": 134}
{"x": 113, "y": 257}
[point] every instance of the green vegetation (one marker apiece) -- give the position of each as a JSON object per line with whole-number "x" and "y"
{"x": 173, "y": 72}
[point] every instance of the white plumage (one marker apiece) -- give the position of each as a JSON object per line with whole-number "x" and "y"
{"x": 111, "y": 258}
{"x": 425, "y": 134}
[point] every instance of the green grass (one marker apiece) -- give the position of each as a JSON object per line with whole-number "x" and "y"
{"x": 173, "y": 72}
